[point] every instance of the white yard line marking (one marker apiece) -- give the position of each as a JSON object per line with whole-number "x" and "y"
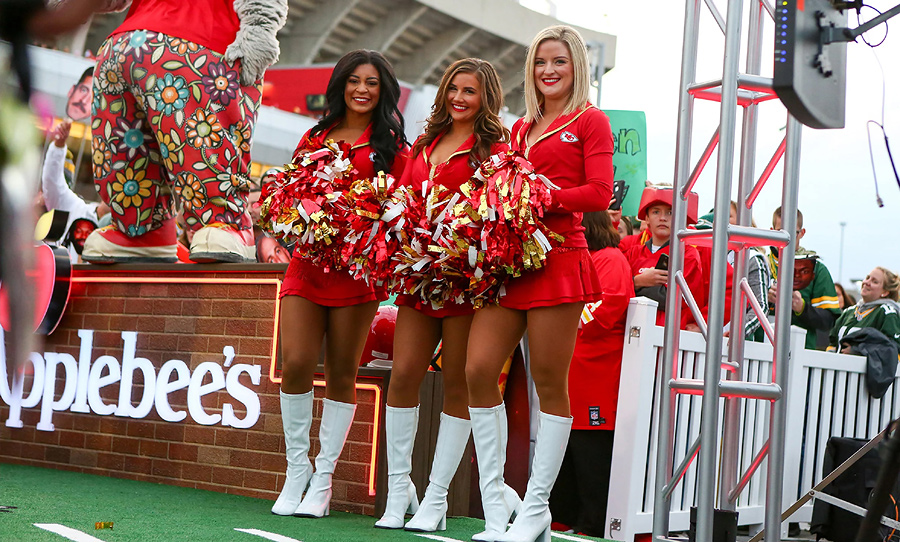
{"x": 568, "y": 537}
{"x": 274, "y": 537}
{"x": 438, "y": 538}
{"x": 67, "y": 532}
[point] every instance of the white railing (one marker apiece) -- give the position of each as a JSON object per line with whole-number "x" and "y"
{"x": 826, "y": 396}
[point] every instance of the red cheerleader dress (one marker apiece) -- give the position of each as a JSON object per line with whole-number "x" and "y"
{"x": 336, "y": 288}
{"x": 575, "y": 153}
{"x": 451, "y": 174}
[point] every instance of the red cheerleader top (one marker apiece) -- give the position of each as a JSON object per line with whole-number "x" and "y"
{"x": 362, "y": 155}
{"x": 575, "y": 153}
{"x": 451, "y": 173}
{"x": 210, "y": 23}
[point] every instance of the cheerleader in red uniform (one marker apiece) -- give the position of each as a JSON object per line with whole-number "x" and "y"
{"x": 362, "y": 98}
{"x": 580, "y": 494}
{"x": 463, "y": 130}
{"x": 569, "y": 141}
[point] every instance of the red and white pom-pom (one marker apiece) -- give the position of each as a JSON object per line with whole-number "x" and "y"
{"x": 305, "y": 203}
{"x": 497, "y": 230}
{"x": 374, "y": 221}
{"x": 423, "y": 267}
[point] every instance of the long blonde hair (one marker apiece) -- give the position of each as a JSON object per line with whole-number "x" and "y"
{"x": 488, "y": 128}
{"x": 891, "y": 283}
{"x": 581, "y": 85}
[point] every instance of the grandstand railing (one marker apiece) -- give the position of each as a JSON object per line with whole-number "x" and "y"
{"x": 826, "y": 397}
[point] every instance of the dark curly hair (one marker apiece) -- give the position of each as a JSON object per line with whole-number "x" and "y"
{"x": 388, "y": 135}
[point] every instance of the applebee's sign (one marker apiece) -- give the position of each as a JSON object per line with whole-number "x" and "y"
{"x": 86, "y": 377}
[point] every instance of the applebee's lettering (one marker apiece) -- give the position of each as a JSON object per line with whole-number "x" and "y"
{"x": 84, "y": 379}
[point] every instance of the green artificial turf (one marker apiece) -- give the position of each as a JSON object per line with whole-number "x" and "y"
{"x": 142, "y": 511}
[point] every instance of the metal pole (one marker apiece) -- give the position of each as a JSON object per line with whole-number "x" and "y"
{"x": 731, "y": 422}
{"x": 706, "y": 483}
{"x": 782, "y": 352}
{"x": 667, "y": 366}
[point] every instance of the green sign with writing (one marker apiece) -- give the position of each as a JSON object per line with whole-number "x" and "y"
{"x": 629, "y": 130}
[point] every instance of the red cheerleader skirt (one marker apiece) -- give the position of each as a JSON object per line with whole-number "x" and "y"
{"x": 447, "y": 311}
{"x": 331, "y": 289}
{"x": 568, "y": 276}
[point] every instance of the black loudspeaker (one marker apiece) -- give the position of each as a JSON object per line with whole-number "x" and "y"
{"x": 724, "y": 526}
{"x": 854, "y": 486}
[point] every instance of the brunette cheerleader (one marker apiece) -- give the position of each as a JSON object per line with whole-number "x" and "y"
{"x": 462, "y": 131}
{"x": 362, "y": 97}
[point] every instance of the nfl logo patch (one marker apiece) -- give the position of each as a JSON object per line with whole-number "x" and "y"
{"x": 594, "y": 418}
{"x": 568, "y": 137}
{"x": 372, "y": 157}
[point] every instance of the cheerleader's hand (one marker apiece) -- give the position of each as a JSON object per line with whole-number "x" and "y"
{"x": 256, "y": 43}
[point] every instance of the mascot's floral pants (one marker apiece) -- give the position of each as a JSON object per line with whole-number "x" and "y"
{"x": 170, "y": 115}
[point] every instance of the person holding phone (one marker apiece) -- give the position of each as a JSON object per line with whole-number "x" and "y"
{"x": 650, "y": 261}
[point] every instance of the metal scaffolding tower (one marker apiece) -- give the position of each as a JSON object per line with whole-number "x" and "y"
{"x": 745, "y": 90}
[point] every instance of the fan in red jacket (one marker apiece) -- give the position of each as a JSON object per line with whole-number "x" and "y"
{"x": 650, "y": 275}
{"x": 579, "y": 497}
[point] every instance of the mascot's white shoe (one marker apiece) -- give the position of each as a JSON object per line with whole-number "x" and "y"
{"x": 109, "y": 245}
{"x": 219, "y": 242}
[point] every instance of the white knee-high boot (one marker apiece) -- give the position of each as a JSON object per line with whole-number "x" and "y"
{"x": 453, "y": 436}
{"x": 400, "y": 426}
{"x": 499, "y": 501}
{"x": 336, "y": 420}
{"x": 296, "y": 417}
{"x": 533, "y": 522}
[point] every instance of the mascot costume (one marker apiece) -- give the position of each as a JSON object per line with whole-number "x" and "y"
{"x": 176, "y": 93}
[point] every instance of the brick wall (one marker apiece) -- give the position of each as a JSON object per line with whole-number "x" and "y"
{"x": 193, "y": 323}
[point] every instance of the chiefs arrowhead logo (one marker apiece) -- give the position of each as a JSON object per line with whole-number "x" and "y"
{"x": 568, "y": 137}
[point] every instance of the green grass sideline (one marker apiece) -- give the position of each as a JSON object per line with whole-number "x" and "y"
{"x": 147, "y": 512}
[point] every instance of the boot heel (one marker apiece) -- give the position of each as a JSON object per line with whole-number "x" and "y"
{"x": 413, "y": 500}
{"x": 544, "y": 536}
{"x": 442, "y": 524}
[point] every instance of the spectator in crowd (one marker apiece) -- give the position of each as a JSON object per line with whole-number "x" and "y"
{"x": 579, "y": 497}
{"x": 814, "y": 303}
{"x": 757, "y": 276}
{"x": 56, "y": 186}
{"x": 268, "y": 250}
{"x": 625, "y": 228}
{"x": 845, "y": 299}
{"x": 650, "y": 274}
{"x": 877, "y": 308}
{"x": 78, "y": 101}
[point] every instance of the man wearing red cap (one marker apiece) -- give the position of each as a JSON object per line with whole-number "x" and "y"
{"x": 651, "y": 276}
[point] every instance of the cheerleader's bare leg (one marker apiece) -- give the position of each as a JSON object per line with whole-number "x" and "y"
{"x": 300, "y": 352}
{"x": 552, "y": 332}
{"x": 453, "y": 434}
{"x": 494, "y": 335}
{"x": 345, "y": 337}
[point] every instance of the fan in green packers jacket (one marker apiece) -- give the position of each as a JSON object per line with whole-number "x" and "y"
{"x": 815, "y": 302}
{"x": 877, "y": 309}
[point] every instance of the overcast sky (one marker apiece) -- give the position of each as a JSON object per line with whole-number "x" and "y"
{"x": 836, "y": 183}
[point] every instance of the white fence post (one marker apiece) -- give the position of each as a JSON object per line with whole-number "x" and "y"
{"x": 627, "y": 481}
